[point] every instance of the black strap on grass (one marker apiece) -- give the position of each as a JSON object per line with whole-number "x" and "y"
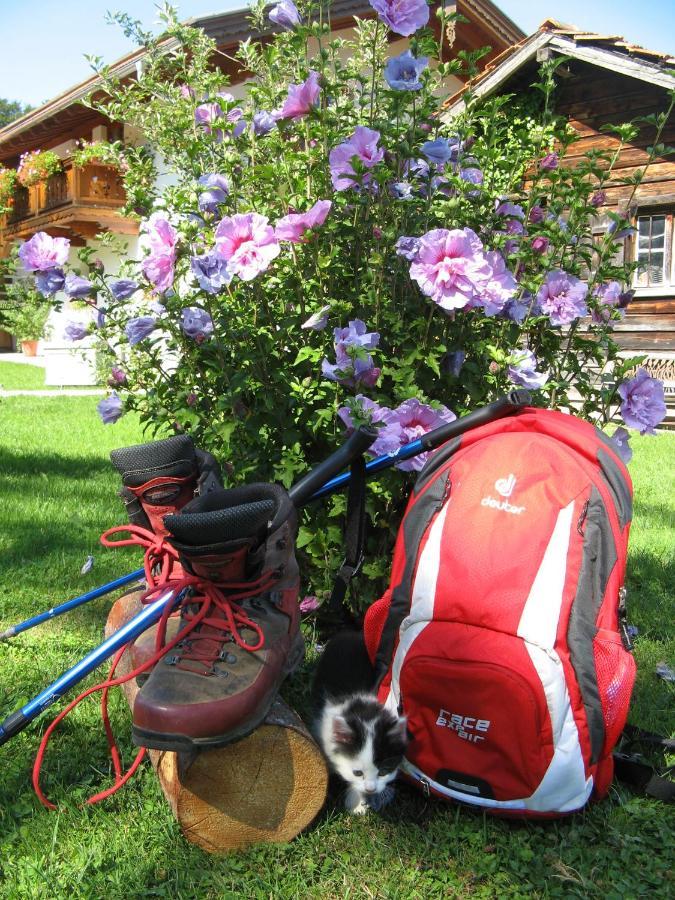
{"x": 633, "y": 769}
{"x": 355, "y": 535}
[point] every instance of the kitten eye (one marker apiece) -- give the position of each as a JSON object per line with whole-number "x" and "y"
{"x": 357, "y": 772}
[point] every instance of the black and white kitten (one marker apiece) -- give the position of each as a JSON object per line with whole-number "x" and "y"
{"x": 363, "y": 742}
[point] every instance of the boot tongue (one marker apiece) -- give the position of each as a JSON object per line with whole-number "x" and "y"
{"x": 217, "y": 567}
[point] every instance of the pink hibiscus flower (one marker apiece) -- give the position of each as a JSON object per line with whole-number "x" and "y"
{"x": 248, "y": 243}
{"x": 293, "y": 226}
{"x": 451, "y": 267}
{"x": 301, "y": 98}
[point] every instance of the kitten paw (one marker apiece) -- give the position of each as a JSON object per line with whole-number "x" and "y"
{"x": 356, "y": 803}
{"x": 378, "y": 801}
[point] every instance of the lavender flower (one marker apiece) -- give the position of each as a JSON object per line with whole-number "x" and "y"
{"x": 562, "y": 298}
{"x": 293, "y": 226}
{"x": 517, "y": 308}
{"x": 353, "y": 363}
{"x": 389, "y": 431}
{"x": 77, "y": 288}
{"x": 216, "y": 193}
{"x": 117, "y": 376}
{"x": 43, "y": 252}
{"x": 623, "y": 449}
{"x": 608, "y": 297}
{"x": 207, "y": 113}
{"x": 161, "y": 238}
{"x": 472, "y": 175}
{"x": 263, "y": 123}
{"x": 402, "y": 190}
{"x": 402, "y": 16}
{"x": 110, "y": 409}
{"x": 441, "y": 151}
{"x": 511, "y": 210}
{"x": 285, "y": 14}
{"x": 407, "y": 247}
{"x": 196, "y": 323}
{"x": 416, "y": 419}
{"x": 138, "y": 329}
{"x": 211, "y": 272}
{"x": 123, "y": 288}
{"x": 362, "y": 145}
{"x": 540, "y": 244}
{"x": 500, "y": 286}
{"x": 451, "y": 267}
{"x": 49, "y": 281}
{"x": 643, "y": 405}
{"x": 453, "y": 361}
{"x": 246, "y": 241}
{"x": 522, "y": 370}
{"x": 537, "y": 215}
{"x": 75, "y": 331}
{"x": 402, "y": 73}
{"x": 309, "y": 604}
{"x": 598, "y": 199}
{"x": 301, "y": 98}
{"x": 549, "y": 162}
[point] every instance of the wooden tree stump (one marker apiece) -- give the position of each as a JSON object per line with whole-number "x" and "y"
{"x": 267, "y": 787}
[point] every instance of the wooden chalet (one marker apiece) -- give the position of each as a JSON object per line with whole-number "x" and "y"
{"x": 606, "y": 79}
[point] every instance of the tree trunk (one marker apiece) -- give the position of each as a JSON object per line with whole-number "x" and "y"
{"x": 267, "y": 787}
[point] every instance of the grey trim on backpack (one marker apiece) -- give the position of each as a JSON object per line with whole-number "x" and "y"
{"x": 598, "y": 559}
{"x": 414, "y": 526}
{"x": 435, "y": 461}
{"x": 618, "y": 487}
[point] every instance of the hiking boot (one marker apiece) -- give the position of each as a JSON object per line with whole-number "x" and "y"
{"x": 160, "y": 477}
{"x": 241, "y": 620}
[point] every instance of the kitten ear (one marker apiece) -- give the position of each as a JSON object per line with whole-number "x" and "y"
{"x": 342, "y": 733}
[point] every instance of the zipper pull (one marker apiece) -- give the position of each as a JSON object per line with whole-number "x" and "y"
{"x": 425, "y": 787}
{"x": 624, "y": 627}
{"x": 582, "y": 519}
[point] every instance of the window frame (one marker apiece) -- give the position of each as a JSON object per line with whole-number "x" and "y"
{"x": 667, "y": 286}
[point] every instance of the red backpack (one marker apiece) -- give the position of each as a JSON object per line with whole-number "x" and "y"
{"x": 501, "y": 636}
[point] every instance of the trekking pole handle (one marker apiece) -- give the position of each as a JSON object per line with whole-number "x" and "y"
{"x": 352, "y": 448}
{"x": 510, "y": 403}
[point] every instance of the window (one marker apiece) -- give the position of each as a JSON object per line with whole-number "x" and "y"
{"x": 653, "y": 244}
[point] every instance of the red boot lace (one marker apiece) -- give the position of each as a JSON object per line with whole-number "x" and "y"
{"x": 204, "y": 599}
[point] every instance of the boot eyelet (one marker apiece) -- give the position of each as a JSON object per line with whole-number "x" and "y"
{"x": 171, "y": 660}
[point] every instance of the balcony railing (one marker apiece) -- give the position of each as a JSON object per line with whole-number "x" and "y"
{"x": 72, "y": 191}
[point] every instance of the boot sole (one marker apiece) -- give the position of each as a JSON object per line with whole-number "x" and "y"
{"x": 181, "y": 743}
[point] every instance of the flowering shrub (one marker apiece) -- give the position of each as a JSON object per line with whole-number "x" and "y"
{"x": 333, "y": 252}
{"x": 101, "y": 152}
{"x": 8, "y": 181}
{"x": 37, "y": 165}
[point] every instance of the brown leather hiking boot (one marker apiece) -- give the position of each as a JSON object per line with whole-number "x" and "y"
{"x": 241, "y": 621}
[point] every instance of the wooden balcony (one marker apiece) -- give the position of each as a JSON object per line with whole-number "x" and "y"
{"x": 75, "y": 203}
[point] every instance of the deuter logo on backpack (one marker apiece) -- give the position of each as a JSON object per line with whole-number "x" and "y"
{"x": 503, "y": 486}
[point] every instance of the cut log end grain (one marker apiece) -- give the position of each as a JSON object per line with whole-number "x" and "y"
{"x": 267, "y": 787}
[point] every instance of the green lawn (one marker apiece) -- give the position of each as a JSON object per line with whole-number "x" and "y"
{"x": 58, "y": 493}
{"x": 21, "y": 376}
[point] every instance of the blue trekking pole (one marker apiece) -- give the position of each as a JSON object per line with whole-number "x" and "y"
{"x": 72, "y": 604}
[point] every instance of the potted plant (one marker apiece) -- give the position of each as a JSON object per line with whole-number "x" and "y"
{"x": 8, "y": 179}
{"x": 37, "y": 165}
{"x": 26, "y": 315}
{"x": 100, "y": 153}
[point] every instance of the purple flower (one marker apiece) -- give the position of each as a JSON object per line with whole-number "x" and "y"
{"x": 389, "y": 432}
{"x": 537, "y": 214}
{"x": 451, "y": 267}
{"x": 643, "y": 405}
{"x": 77, "y": 288}
{"x": 43, "y": 252}
{"x": 453, "y": 361}
{"x": 196, "y": 323}
{"x": 522, "y": 370}
{"x": 285, "y": 14}
{"x": 123, "y": 288}
{"x": 317, "y": 321}
{"x": 402, "y": 190}
{"x": 186, "y": 92}
{"x": 362, "y": 145}
{"x": 472, "y": 175}
{"x": 441, "y": 151}
{"x": 309, "y": 604}
{"x": 353, "y": 363}
{"x": 138, "y": 329}
{"x": 620, "y": 229}
{"x": 161, "y": 238}
{"x": 513, "y": 210}
{"x": 416, "y": 168}
{"x": 514, "y": 227}
{"x": 407, "y": 247}
{"x": 623, "y": 449}
{"x": 540, "y": 244}
{"x": 562, "y": 298}
{"x": 117, "y": 376}
{"x": 110, "y": 409}
{"x": 207, "y": 113}
{"x": 403, "y": 72}
{"x": 301, "y": 98}
{"x": 500, "y": 286}
{"x": 293, "y": 226}
{"x": 608, "y": 297}
{"x": 263, "y": 122}
{"x": 517, "y": 308}
{"x": 191, "y": 399}
{"x": 49, "y": 281}
{"x": 248, "y": 244}
{"x": 549, "y": 162}
{"x": 402, "y": 16}
{"x": 75, "y": 331}
{"x": 216, "y": 193}
{"x": 598, "y": 199}
{"x": 416, "y": 419}
{"x": 211, "y": 272}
